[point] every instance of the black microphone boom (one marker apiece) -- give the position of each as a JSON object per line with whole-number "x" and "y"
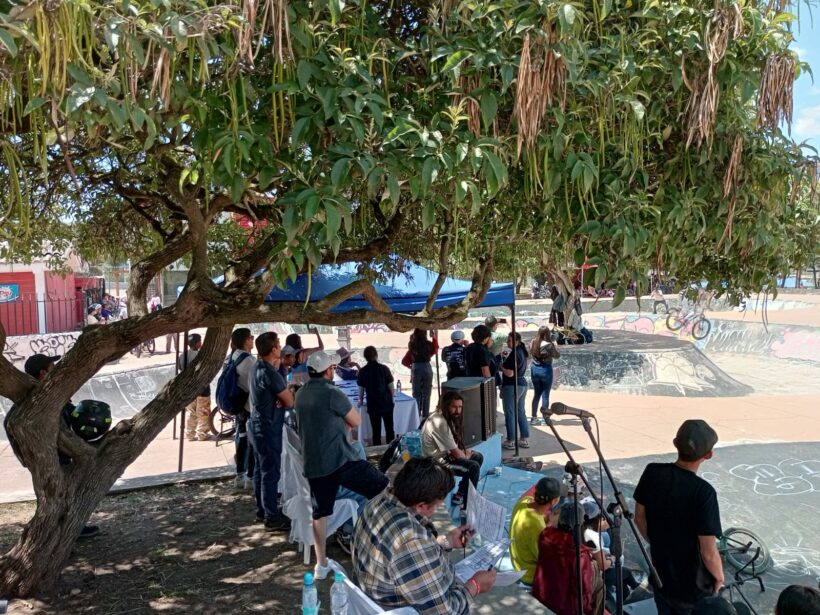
{"x": 559, "y": 408}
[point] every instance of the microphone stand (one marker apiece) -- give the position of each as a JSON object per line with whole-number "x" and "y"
{"x": 617, "y": 551}
{"x": 623, "y": 509}
{"x": 574, "y": 471}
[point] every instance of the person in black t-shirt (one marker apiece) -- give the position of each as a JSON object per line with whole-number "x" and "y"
{"x": 480, "y": 362}
{"x": 677, "y": 512}
{"x": 454, "y": 356}
{"x": 376, "y": 380}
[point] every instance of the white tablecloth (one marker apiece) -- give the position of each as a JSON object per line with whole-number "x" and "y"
{"x": 405, "y": 412}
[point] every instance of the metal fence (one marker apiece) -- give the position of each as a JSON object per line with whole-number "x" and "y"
{"x": 30, "y": 315}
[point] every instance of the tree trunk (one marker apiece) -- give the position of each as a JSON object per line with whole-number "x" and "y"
{"x": 67, "y": 494}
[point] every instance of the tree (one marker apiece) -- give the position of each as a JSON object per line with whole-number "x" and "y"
{"x": 354, "y": 132}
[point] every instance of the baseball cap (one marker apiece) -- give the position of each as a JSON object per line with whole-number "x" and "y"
{"x": 490, "y": 321}
{"x": 38, "y": 362}
{"x": 694, "y": 439}
{"x": 591, "y": 508}
{"x": 457, "y": 335}
{"x": 343, "y": 353}
{"x": 288, "y": 350}
{"x": 320, "y": 361}
{"x": 549, "y": 488}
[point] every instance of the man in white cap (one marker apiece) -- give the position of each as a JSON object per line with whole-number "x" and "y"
{"x": 453, "y": 355}
{"x": 326, "y": 416}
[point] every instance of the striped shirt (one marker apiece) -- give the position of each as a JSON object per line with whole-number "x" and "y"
{"x": 398, "y": 562}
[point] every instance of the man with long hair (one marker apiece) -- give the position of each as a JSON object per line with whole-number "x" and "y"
{"x": 442, "y": 438}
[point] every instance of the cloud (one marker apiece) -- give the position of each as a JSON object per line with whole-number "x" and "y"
{"x": 804, "y": 55}
{"x": 807, "y": 125}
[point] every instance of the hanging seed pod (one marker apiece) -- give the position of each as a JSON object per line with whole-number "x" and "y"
{"x": 775, "y": 97}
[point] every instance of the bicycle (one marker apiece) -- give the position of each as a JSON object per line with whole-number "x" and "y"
{"x": 223, "y": 425}
{"x": 148, "y": 346}
{"x": 743, "y": 549}
{"x": 693, "y": 320}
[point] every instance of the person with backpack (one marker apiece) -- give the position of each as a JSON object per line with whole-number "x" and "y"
{"x": 376, "y": 380}
{"x": 454, "y": 355}
{"x": 269, "y": 397}
{"x": 232, "y": 391}
{"x": 197, "y": 426}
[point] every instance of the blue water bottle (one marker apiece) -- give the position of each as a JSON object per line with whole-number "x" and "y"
{"x": 310, "y": 599}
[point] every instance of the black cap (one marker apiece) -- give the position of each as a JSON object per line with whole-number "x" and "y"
{"x": 549, "y": 488}
{"x": 38, "y": 362}
{"x": 490, "y": 321}
{"x": 695, "y": 439}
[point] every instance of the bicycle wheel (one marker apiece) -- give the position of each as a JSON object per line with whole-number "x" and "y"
{"x": 151, "y": 346}
{"x": 138, "y": 350}
{"x": 217, "y": 421}
{"x": 701, "y": 328}
{"x": 740, "y": 545}
{"x": 673, "y": 320}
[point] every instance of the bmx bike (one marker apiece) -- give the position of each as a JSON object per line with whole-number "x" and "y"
{"x": 694, "y": 321}
{"x": 223, "y": 425}
{"x": 749, "y": 556}
{"x": 148, "y": 347}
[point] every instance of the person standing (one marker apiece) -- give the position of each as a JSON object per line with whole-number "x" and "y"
{"x": 376, "y": 381}
{"x": 542, "y": 351}
{"x": 499, "y": 337}
{"x": 441, "y": 439}
{"x": 269, "y": 397}
{"x": 480, "y": 362}
{"x": 557, "y": 310}
{"x": 287, "y": 359}
{"x": 678, "y": 513}
{"x": 347, "y": 369}
{"x": 294, "y": 340}
{"x": 326, "y": 416}
{"x": 241, "y": 346}
{"x": 198, "y": 411}
{"x": 514, "y": 407}
{"x": 453, "y": 356}
{"x": 421, "y": 374}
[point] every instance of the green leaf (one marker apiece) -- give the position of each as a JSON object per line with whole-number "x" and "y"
{"x": 588, "y": 227}
{"x": 339, "y": 172}
{"x": 489, "y": 107}
{"x": 266, "y": 176}
{"x": 579, "y": 257}
{"x": 600, "y": 275}
{"x": 429, "y": 172}
{"x": 79, "y": 75}
{"x": 290, "y": 222}
{"x": 334, "y": 220}
{"x": 291, "y": 269}
{"x": 620, "y": 294}
{"x": 238, "y": 188}
{"x": 78, "y": 97}
{"x": 394, "y": 189}
{"x": 298, "y": 128}
{"x": 428, "y": 214}
{"x": 336, "y": 7}
{"x": 8, "y": 42}
{"x": 566, "y": 15}
{"x": 455, "y": 60}
{"x": 638, "y": 109}
{"x": 34, "y": 103}
{"x": 476, "y": 197}
{"x": 303, "y": 72}
{"x": 499, "y": 170}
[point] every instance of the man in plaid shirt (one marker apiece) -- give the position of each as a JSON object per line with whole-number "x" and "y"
{"x": 398, "y": 557}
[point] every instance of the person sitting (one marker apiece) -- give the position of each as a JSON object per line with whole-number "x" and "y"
{"x": 347, "y": 369}
{"x": 93, "y": 315}
{"x": 531, "y": 514}
{"x": 399, "y": 559}
{"x": 454, "y": 357}
{"x": 798, "y": 600}
{"x": 576, "y": 324}
{"x": 441, "y": 439}
{"x": 555, "y": 583}
{"x": 376, "y": 380}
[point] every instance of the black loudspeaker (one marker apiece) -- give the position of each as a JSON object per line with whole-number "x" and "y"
{"x": 480, "y": 398}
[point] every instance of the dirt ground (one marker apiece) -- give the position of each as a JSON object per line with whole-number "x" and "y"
{"x": 186, "y": 548}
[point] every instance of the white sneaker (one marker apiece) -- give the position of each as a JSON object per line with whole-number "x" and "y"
{"x": 321, "y": 572}
{"x": 248, "y": 484}
{"x": 239, "y": 482}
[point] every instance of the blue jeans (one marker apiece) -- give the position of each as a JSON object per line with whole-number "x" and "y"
{"x": 515, "y": 411}
{"x": 346, "y": 494}
{"x": 244, "y": 450}
{"x": 423, "y": 386}
{"x": 541, "y": 385}
{"x": 265, "y": 434}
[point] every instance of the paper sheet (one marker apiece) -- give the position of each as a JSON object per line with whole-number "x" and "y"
{"x": 481, "y": 559}
{"x": 508, "y": 577}
{"x": 486, "y": 517}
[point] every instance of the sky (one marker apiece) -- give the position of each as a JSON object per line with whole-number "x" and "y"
{"x": 806, "y": 119}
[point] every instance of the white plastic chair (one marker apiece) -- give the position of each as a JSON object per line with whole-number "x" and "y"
{"x": 359, "y": 603}
{"x": 298, "y": 506}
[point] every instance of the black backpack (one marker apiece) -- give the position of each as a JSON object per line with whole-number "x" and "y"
{"x": 230, "y": 397}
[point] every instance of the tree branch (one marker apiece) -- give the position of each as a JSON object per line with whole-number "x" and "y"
{"x": 14, "y": 384}
{"x": 144, "y": 271}
{"x": 443, "y": 263}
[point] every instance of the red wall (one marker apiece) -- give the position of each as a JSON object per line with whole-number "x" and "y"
{"x": 61, "y": 303}
{"x": 20, "y": 317}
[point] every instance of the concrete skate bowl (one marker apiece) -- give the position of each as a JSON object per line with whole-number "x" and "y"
{"x": 638, "y": 364}
{"x": 126, "y": 392}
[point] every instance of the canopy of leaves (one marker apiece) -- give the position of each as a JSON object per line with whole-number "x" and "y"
{"x": 346, "y": 129}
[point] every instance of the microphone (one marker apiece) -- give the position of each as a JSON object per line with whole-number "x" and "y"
{"x": 559, "y": 408}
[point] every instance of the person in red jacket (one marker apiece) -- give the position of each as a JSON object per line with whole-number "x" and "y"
{"x": 554, "y": 584}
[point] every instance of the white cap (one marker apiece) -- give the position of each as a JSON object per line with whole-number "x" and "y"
{"x": 457, "y": 335}
{"x": 320, "y": 361}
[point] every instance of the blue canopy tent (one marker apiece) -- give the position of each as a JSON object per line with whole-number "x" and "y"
{"x": 406, "y": 292}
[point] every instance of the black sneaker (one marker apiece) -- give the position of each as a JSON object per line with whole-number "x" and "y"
{"x": 89, "y": 531}
{"x": 344, "y": 541}
{"x": 280, "y": 524}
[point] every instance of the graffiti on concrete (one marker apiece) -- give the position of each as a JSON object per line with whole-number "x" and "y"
{"x": 789, "y": 477}
{"x": 19, "y": 348}
{"x": 369, "y": 328}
